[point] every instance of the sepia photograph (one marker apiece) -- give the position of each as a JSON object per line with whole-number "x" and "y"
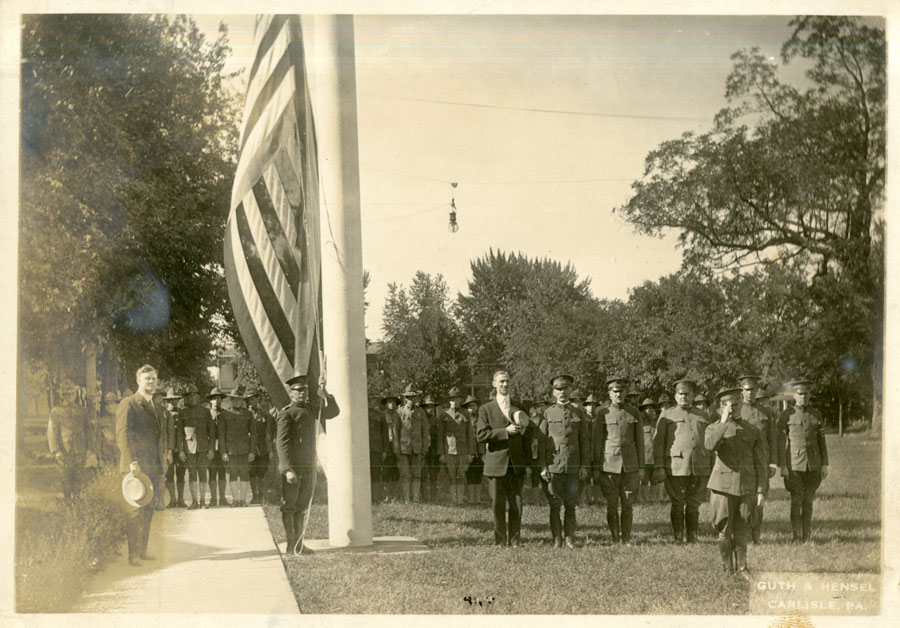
{"x": 557, "y": 312}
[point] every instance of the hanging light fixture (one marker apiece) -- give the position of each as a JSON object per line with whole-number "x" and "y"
{"x": 453, "y": 226}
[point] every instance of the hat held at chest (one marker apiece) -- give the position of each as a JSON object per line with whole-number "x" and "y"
{"x": 137, "y": 489}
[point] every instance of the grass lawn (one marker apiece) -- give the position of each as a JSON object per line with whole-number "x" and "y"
{"x": 652, "y": 577}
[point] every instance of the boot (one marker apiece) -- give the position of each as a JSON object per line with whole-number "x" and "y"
{"x": 677, "y": 517}
{"x": 254, "y": 490}
{"x": 181, "y": 503}
{"x": 740, "y": 560}
{"x": 404, "y": 491}
{"x": 626, "y": 520}
{"x": 806, "y": 521}
{"x": 612, "y": 522}
{"x": 726, "y": 553}
{"x": 756, "y": 526}
{"x": 299, "y": 525}
{"x": 170, "y": 487}
{"x": 287, "y": 518}
{"x": 416, "y": 491}
{"x": 692, "y": 521}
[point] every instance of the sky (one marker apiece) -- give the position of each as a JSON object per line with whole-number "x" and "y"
{"x": 542, "y": 121}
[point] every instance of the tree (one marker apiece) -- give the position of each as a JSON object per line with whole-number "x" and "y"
{"x": 789, "y": 176}
{"x": 128, "y": 139}
{"x": 421, "y": 340}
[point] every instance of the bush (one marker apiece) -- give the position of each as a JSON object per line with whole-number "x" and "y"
{"x": 56, "y": 552}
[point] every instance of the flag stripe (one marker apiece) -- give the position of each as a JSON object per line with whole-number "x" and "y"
{"x": 273, "y": 309}
{"x": 268, "y": 89}
{"x": 270, "y": 378}
{"x": 272, "y": 25}
{"x": 267, "y": 128}
{"x": 276, "y": 234}
{"x": 287, "y": 215}
{"x": 275, "y": 54}
{"x": 266, "y": 254}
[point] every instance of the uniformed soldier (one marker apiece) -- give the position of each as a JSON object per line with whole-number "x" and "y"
{"x": 432, "y": 464}
{"x": 591, "y": 486}
{"x": 264, "y": 426}
{"x": 390, "y": 473}
{"x": 456, "y": 444}
{"x": 565, "y": 450}
{"x": 618, "y": 457}
{"x": 175, "y": 472}
{"x": 664, "y": 403}
{"x": 475, "y": 470}
{"x": 756, "y": 415}
{"x": 217, "y": 475}
{"x": 738, "y": 481}
{"x": 649, "y": 492}
{"x": 167, "y": 447}
{"x": 532, "y": 488}
{"x": 633, "y": 398}
{"x": 68, "y": 437}
{"x": 702, "y": 403}
{"x": 379, "y": 445}
{"x": 682, "y": 460}
{"x": 411, "y": 441}
{"x": 295, "y": 443}
{"x": 802, "y": 457}
{"x": 197, "y": 443}
{"x": 238, "y": 442}
{"x": 107, "y": 450}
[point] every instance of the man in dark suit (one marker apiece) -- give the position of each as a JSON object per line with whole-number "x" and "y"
{"x": 501, "y": 427}
{"x": 138, "y": 437}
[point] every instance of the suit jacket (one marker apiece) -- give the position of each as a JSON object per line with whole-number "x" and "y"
{"x": 808, "y": 427}
{"x": 503, "y": 451}
{"x": 138, "y": 435}
{"x": 741, "y": 464}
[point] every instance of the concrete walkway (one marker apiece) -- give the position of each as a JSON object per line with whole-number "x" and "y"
{"x": 221, "y": 560}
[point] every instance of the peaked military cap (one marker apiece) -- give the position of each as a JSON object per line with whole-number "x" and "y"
{"x": 749, "y": 380}
{"x": 686, "y": 382}
{"x": 296, "y": 378}
{"x": 802, "y": 385}
{"x": 564, "y": 380}
{"x": 617, "y": 379}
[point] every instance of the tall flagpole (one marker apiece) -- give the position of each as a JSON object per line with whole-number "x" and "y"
{"x": 347, "y": 439}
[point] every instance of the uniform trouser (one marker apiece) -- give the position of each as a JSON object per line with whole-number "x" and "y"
{"x": 802, "y": 486}
{"x": 619, "y": 488}
{"x": 686, "y": 493}
{"x": 259, "y": 466}
{"x": 410, "y": 465}
{"x": 217, "y": 478}
{"x": 295, "y": 500}
{"x": 506, "y": 490}
{"x": 71, "y": 478}
{"x": 731, "y": 516}
{"x": 137, "y": 520}
{"x": 430, "y": 475}
{"x": 175, "y": 480}
{"x": 562, "y": 493}
{"x": 197, "y": 471}
{"x": 376, "y": 474}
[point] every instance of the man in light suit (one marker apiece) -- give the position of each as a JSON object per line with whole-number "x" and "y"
{"x": 138, "y": 433}
{"x": 501, "y": 427}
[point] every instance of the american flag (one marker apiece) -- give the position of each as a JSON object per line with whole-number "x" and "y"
{"x": 272, "y": 262}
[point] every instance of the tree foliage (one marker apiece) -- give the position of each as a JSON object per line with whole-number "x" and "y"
{"x": 128, "y": 138}
{"x": 421, "y": 340}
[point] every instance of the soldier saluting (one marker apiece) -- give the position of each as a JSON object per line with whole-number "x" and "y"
{"x": 738, "y": 481}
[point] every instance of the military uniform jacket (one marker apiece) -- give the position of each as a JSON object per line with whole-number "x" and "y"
{"x": 758, "y": 417}
{"x": 679, "y": 443}
{"x": 198, "y": 418}
{"x": 503, "y": 451}
{"x": 295, "y": 438}
{"x": 649, "y": 429}
{"x": 68, "y": 432}
{"x": 379, "y": 441}
{"x": 800, "y": 439}
{"x": 565, "y": 444}
{"x": 236, "y": 436}
{"x": 455, "y": 433}
{"x": 264, "y": 426}
{"x": 618, "y": 439}
{"x": 138, "y": 435}
{"x": 411, "y": 431}
{"x": 741, "y": 467}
